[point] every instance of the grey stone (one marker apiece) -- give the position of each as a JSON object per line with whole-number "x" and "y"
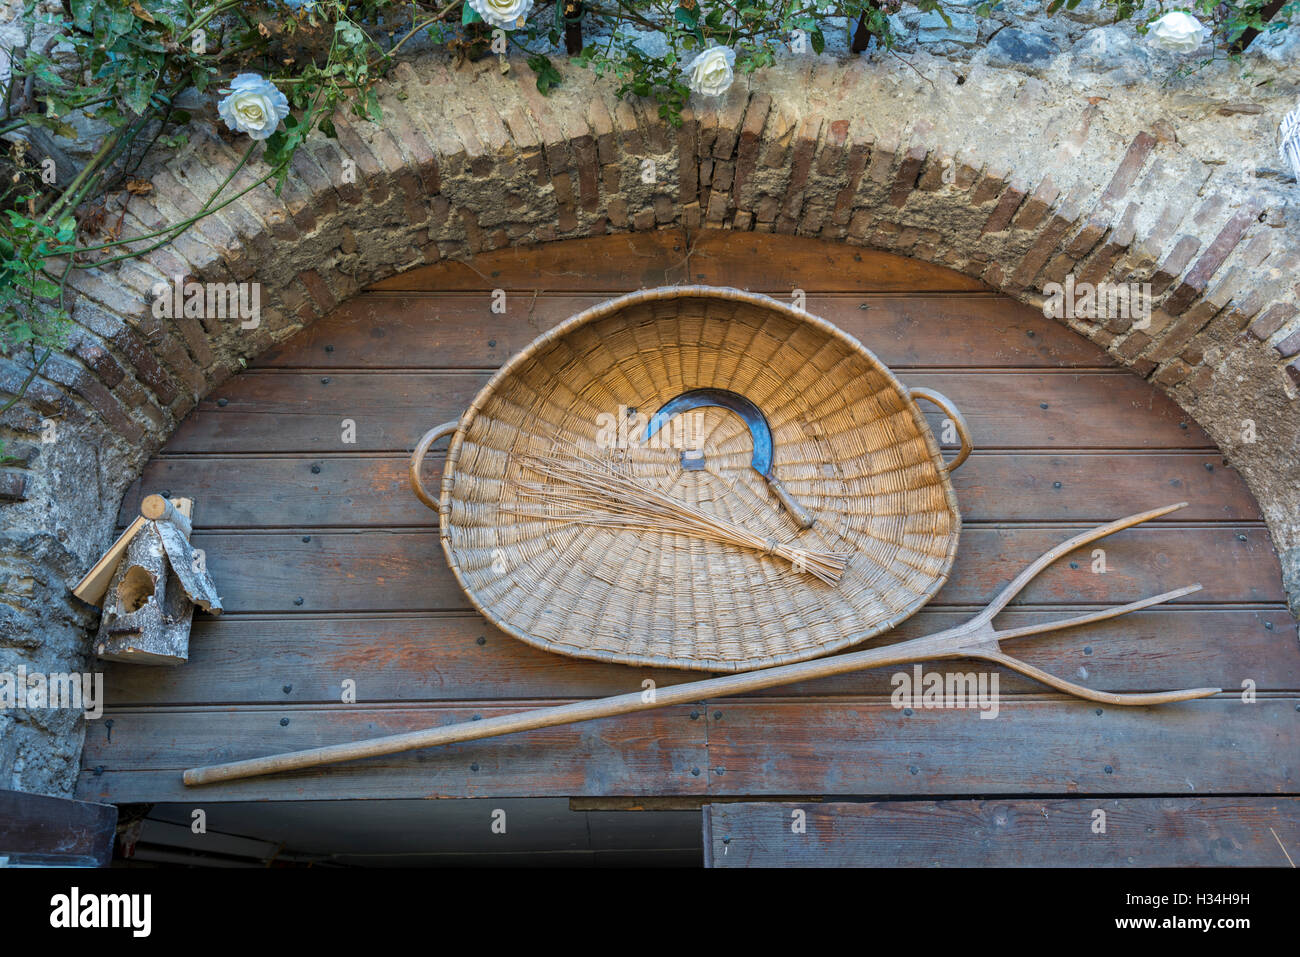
{"x": 1281, "y": 47}
{"x": 1091, "y": 11}
{"x": 964, "y": 29}
{"x": 1021, "y": 48}
{"x": 1113, "y": 52}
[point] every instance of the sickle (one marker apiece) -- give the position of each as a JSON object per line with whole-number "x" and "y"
{"x": 759, "y": 431}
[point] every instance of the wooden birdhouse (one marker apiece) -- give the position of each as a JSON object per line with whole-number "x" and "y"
{"x": 148, "y": 584}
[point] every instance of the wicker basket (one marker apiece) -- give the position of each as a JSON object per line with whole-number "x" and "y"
{"x": 850, "y": 442}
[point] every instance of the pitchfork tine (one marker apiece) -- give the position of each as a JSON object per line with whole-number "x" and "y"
{"x": 1017, "y": 584}
{"x": 989, "y": 650}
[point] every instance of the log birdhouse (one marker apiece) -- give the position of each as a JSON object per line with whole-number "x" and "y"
{"x": 148, "y": 583}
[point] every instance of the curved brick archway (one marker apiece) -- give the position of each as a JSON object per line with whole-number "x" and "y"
{"x": 470, "y": 160}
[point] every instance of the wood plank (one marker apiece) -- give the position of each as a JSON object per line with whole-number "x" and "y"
{"x": 142, "y": 758}
{"x": 764, "y": 262}
{"x": 460, "y": 331}
{"x": 378, "y": 570}
{"x": 301, "y": 661}
{"x": 282, "y": 411}
{"x": 861, "y": 746}
{"x": 46, "y": 831}
{"x": 1211, "y": 746}
{"x": 373, "y": 489}
{"x": 1139, "y": 832}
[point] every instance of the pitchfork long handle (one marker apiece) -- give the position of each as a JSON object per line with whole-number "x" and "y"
{"x": 567, "y": 713}
{"x": 975, "y": 639}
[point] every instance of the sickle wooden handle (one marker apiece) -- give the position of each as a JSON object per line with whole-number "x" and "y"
{"x": 417, "y": 460}
{"x": 800, "y": 514}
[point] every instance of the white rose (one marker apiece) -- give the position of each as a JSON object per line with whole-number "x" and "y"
{"x": 506, "y": 14}
{"x": 1178, "y": 32}
{"x": 710, "y": 73}
{"x": 253, "y": 105}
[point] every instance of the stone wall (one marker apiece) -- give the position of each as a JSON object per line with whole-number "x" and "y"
{"x": 1017, "y": 174}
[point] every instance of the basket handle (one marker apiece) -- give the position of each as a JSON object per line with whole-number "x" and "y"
{"x": 417, "y": 460}
{"x": 959, "y": 420}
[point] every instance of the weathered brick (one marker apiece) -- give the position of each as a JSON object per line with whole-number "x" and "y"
{"x": 1178, "y": 334}
{"x": 1037, "y": 206}
{"x": 1174, "y": 263}
{"x": 629, "y": 130}
{"x": 1104, "y": 259}
{"x": 1272, "y": 319}
{"x": 730, "y": 122}
{"x": 990, "y": 185}
{"x": 1007, "y": 205}
{"x": 370, "y": 171}
{"x": 1048, "y": 241}
{"x": 1198, "y": 277}
{"x": 1171, "y": 374}
{"x": 98, "y": 359}
{"x": 602, "y": 129}
{"x": 691, "y": 215}
{"x": 833, "y": 148}
{"x": 688, "y": 164}
{"x": 854, "y": 167}
{"x": 1288, "y": 346}
{"x": 805, "y": 145}
{"x": 317, "y": 289}
{"x": 419, "y": 155}
{"x": 766, "y": 209}
{"x": 1293, "y": 370}
{"x": 1129, "y": 167}
{"x": 908, "y": 172}
{"x": 717, "y": 208}
{"x": 1088, "y": 237}
{"x": 747, "y": 149}
{"x": 63, "y": 371}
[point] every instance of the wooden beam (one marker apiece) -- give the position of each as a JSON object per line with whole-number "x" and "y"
{"x": 1076, "y": 832}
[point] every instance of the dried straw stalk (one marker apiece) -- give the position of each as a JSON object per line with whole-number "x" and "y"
{"x": 584, "y": 490}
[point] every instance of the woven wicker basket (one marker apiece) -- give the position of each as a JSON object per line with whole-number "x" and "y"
{"x": 850, "y": 442}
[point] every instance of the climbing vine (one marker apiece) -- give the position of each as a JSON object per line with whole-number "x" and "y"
{"x": 125, "y": 77}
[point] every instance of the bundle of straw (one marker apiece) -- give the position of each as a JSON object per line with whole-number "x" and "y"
{"x": 585, "y": 490}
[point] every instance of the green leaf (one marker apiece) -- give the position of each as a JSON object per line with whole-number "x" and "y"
{"x": 138, "y": 90}
{"x": 468, "y": 15}
{"x": 818, "y": 40}
{"x": 548, "y": 78}
{"x": 350, "y": 33}
{"x": 83, "y": 13}
{"x": 690, "y": 21}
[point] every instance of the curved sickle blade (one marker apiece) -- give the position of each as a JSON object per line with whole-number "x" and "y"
{"x": 759, "y": 431}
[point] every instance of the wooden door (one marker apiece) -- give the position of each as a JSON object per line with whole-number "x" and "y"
{"x": 331, "y": 572}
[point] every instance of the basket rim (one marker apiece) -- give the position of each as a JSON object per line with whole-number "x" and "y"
{"x": 695, "y": 291}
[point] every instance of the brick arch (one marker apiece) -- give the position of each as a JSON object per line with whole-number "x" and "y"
{"x": 469, "y": 160}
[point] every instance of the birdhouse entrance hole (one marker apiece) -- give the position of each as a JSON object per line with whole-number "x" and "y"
{"x": 136, "y": 588}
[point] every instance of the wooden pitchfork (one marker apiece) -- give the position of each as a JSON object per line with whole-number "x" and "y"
{"x": 976, "y": 638}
